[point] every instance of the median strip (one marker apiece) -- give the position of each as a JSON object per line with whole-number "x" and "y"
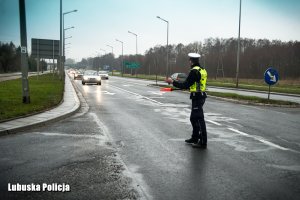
{"x": 45, "y": 92}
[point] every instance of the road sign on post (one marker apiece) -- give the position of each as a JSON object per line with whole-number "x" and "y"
{"x": 271, "y": 78}
{"x": 132, "y": 65}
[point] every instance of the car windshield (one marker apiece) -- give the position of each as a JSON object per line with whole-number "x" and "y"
{"x": 93, "y": 73}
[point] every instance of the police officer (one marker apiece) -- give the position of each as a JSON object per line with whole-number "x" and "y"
{"x": 196, "y": 83}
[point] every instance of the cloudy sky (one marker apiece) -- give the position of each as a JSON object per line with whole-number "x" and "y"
{"x": 99, "y": 23}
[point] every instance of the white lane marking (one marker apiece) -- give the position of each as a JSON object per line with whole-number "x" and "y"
{"x": 134, "y": 171}
{"x": 157, "y": 97}
{"x": 157, "y": 93}
{"x": 213, "y": 122}
{"x": 71, "y": 135}
{"x": 213, "y": 114}
{"x": 286, "y": 167}
{"x": 259, "y": 139}
{"x": 109, "y": 93}
{"x": 177, "y": 139}
{"x": 139, "y": 95}
{"x": 101, "y": 126}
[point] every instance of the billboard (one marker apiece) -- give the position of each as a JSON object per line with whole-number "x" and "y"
{"x": 43, "y": 48}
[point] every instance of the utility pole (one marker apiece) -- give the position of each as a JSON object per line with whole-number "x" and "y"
{"x": 60, "y": 65}
{"x": 238, "y": 51}
{"x": 24, "y": 54}
{"x": 122, "y": 66}
{"x": 167, "y": 69}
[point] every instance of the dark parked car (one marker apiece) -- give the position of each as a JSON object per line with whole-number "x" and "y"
{"x": 176, "y": 76}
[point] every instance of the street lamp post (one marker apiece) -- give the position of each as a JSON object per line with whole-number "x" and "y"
{"x": 136, "y": 51}
{"x": 122, "y": 68}
{"x": 63, "y": 35}
{"x": 238, "y": 51}
{"x": 167, "y": 44}
{"x": 64, "y": 41}
{"x": 103, "y": 50}
{"x": 112, "y": 49}
{"x": 60, "y": 39}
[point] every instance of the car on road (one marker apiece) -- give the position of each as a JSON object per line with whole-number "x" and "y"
{"x": 103, "y": 74}
{"x": 78, "y": 75}
{"x": 91, "y": 76}
{"x": 176, "y": 76}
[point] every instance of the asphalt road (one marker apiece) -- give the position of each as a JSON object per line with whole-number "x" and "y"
{"x": 253, "y": 151}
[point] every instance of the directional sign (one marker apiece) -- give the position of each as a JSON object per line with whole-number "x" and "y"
{"x": 131, "y": 64}
{"x": 271, "y": 76}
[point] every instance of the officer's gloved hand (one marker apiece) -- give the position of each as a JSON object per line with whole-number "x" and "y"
{"x": 169, "y": 80}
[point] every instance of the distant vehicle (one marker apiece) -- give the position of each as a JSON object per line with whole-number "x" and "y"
{"x": 71, "y": 71}
{"x": 78, "y": 75}
{"x": 176, "y": 76}
{"x": 91, "y": 76}
{"x": 103, "y": 74}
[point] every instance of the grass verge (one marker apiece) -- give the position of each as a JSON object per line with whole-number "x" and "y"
{"x": 283, "y": 86}
{"x": 252, "y": 99}
{"x": 45, "y": 93}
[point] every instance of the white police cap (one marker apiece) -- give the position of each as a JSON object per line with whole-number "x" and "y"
{"x": 194, "y": 55}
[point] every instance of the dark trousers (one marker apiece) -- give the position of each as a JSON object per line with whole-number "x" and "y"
{"x": 197, "y": 120}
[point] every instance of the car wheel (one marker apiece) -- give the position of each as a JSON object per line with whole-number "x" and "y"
{"x": 83, "y": 83}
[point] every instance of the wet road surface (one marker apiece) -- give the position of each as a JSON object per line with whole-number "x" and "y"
{"x": 253, "y": 151}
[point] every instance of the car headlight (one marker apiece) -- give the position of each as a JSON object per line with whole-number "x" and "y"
{"x": 98, "y": 78}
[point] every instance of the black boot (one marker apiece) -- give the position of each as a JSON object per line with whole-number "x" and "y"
{"x": 192, "y": 141}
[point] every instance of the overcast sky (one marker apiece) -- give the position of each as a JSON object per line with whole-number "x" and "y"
{"x": 99, "y": 23}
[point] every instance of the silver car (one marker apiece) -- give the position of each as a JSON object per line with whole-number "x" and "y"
{"x": 91, "y": 76}
{"x": 103, "y": 74}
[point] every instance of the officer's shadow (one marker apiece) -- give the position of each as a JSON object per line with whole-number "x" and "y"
{"x": 200, "y": 169}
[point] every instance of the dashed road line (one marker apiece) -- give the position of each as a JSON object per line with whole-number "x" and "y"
{"x": 136, "y": 94}
{"x": 259, "y": 139}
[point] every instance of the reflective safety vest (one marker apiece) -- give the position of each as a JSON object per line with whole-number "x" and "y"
{"x": 199, "y": 86}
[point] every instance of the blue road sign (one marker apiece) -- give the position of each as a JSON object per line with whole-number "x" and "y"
{"x": 271, "y": 76}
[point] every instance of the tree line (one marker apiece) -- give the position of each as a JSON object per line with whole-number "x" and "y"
{"x": 218, "y": 56}
{"x": 10, "y": 59}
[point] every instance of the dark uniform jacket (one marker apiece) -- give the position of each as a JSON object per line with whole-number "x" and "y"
{"x": 194, "y": 76}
